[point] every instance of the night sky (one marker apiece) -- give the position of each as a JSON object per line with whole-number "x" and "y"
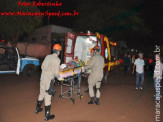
{"x": 153, "y": 16}
{"x": 151, "y": 13}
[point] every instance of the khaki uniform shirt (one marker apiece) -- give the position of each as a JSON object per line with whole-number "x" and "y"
{"x": 96, "y": 66}
{"x": 50, "y": 67}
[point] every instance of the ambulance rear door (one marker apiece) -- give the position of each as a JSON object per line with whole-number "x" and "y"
{"x": 69, "y": 47}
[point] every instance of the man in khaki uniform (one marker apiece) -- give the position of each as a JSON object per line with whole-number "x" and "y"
{"x": 96, "y": 65}
{"x": 92, "y": 54}
{"x": 50, "y": 69}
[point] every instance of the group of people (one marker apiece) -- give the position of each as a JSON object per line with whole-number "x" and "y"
{"x": 139, "y": 65}
{"x": 51, "y": 68}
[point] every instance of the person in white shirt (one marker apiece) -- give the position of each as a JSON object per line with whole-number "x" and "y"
{"x": 139, "y": 64}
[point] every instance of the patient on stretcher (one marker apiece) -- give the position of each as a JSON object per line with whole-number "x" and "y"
{"x": 74, "y": 66}
{"x": 74, "y": 63}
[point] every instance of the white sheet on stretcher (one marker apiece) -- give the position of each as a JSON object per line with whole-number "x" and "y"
{"x": 71, "y": 72}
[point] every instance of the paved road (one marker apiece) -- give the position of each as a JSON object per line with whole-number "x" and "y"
{"x": 120, "y": 102}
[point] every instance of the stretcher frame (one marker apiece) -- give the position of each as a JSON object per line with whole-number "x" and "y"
{"x": 74, "y": 89}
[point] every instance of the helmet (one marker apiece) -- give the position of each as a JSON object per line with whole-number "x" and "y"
{"x": 96, "y": 48}
{"x": 92, "y": 50}
{"x": 57, "y": 47}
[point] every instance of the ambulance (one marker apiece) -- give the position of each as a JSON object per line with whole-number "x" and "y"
{"x": 79, "y": 45}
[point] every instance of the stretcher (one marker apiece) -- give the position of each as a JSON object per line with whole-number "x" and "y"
{"x": 72, "y": 79}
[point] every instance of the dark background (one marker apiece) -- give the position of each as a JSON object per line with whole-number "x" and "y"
{"x": 93, "y": 16}
{"x": 151, "y": 13}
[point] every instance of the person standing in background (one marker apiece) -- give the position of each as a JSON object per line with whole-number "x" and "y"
{"x": 139, "y": 64}
{"x": 129, "y": 58}
{"x": 132, "y": 61}
{"x": 126, "y": 60}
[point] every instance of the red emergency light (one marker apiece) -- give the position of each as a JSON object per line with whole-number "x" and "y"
{"x": 150, "y": 61}
{"x": 3, "y": 40}
{"x": 121, "y": 61}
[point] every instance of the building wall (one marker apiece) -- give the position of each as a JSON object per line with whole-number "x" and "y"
{"x": 38, "y": 43}
{"x": 36, "y": 50}
{"x": 59, "y": 29}
{"x": 43, "y": 34}
{"x": 40, "y": 35}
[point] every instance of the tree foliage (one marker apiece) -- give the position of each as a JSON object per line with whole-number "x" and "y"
{"x": 117, "y": 19}
{"x": 12, "y": 27}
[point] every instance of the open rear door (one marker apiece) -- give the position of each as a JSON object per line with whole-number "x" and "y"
{"x": 69, "y": 47}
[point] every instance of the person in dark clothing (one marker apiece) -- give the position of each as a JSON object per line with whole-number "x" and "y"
{"x": 127, "y": 61}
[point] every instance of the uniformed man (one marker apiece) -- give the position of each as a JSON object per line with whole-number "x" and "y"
{"x": 92, "y": 54}
{"x": 50, "y": 69}
{"x": 96, "y": 66}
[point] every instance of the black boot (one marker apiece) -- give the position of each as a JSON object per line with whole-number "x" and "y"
{"x": 97, "y": 101}
{"x": 38, "y": 107}
{"x": 47, "y": 113}
{"x": 92, "y": 101}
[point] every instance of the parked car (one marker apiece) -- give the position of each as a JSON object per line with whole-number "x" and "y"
{"x": 12, "y": 62}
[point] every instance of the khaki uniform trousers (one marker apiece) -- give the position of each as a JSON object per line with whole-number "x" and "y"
{"x": 44, "y": 85}
{"x": 91, "y": 84}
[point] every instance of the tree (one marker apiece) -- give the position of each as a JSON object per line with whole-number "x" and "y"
{"x": 118, "y": 19}
{"x": 12, "y": 27}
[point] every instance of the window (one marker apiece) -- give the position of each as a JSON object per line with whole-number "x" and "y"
{"x": 82, "y": 47}
{"x": 69, "y": 46}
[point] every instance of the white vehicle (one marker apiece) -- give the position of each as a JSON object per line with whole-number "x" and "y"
{"x": 12, "y": 62}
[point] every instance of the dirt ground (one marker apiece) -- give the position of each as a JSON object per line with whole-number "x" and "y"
{"x": 119, "y": 102}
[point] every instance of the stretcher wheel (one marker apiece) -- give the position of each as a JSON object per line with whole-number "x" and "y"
{"x": 73, "y": 100}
